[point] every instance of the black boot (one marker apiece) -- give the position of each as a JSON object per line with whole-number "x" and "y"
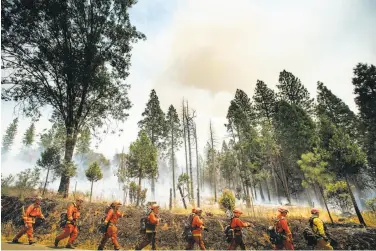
{"x": 69, "y": 246}
{"x": 32, "y": 242}
{"x": 56, "y": 244}
{"x": 15, "y": 241}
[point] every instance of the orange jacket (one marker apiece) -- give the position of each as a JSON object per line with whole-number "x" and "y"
{"x": 238, "y": 223}
{"x": 197, "y": 225}
{"x": 31, "y": 212}
{"x": 73, "y": 212}
{"x": 282, "y": 225}
{"x": 113, "y": 216}
{"x": 153, "y": 219}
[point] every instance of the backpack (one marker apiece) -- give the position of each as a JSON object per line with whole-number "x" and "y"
{"x": 309, "y": 236}
{"x": 63, "y": 219}
{"x": 229, "y": 232}
{"x": 102, "y": 228}
{"x": 275, "y": 237}
{"x": 144, "y": 223}
{"x": 187, "y": 232}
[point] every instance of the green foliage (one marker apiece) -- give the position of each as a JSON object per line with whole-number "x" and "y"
{"x": 67, "y": 168}
{"x": 314, "y": 169}
{"x": 335, "y": 110}
{"x": 227, "y": 200}
{"x": 27, "y": 180}
{"x": 339, "y": 196}
{"x": 364, "y": 82}
{"x": 120, "y": 160}
{"x": 294, "y": 92}
{"x": 94, "y": 172}
{"x": 346, "y": 157}
{"x": 153, "y": 122}
{"x": 83, "y": 142}
{"x": 227, "y": 163}
{"x": 265, "y": 100}
{"x": 8, "y": 138}
{"x": 6, "y": 182}
{"x": 29, "y": 135}
{"x": 142, "y": 159}
{"x": 54, "y": 137}
{"x": 50, "y": 159}
{"x": 371, "y": 204}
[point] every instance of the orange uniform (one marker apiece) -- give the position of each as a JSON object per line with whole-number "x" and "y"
{"x": 111, "y": 232}
{"x": 237, "y": 225}
{"x": 282, "y": 227}
{"x": 71, "y": 228}
{"x": 32, "y": 212}
{"x": 197, "y": 227}
{"x": 151, "y": 232}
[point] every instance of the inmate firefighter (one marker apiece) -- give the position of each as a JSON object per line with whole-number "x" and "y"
{"x": 71, "y": 226}
{"x": 283, "y": 229}
{"x": 197, "y": 227}
{"x": 151, "y": 229}
{"x": 237, "y": 225}
{"x": 110, "y": 222}
{"x": 319, "y": 229}
{"x": 188, "y": 228}
{"x": 32, "y": 212}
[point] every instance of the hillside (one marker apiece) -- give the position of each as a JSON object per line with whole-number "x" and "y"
{"x": 349, "y": 236}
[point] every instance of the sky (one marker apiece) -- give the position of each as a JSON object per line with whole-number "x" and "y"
{"x": 204, "y": 50}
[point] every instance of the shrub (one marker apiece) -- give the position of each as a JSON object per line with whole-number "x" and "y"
{"x": 227, "y": 200}
{"x": 371, "y": 204}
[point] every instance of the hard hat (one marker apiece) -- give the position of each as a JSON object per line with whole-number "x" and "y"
{"x": 198, "y": 210}
{"x": 314, "y": 211}
{"x": 283, "y": 210}
{"x": 237, "y": 211}
{"x": 154, "y": 206}
{"x": 193, "y": 210}
{"x": 38, "y": 198}
{"x": 79, "y": 198}
{"x": 116, "y": 202}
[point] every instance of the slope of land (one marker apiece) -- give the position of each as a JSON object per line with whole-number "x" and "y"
{"x": 349, "y": 236}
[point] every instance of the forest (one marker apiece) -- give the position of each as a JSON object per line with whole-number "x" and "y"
{"x": 285, "y": 146}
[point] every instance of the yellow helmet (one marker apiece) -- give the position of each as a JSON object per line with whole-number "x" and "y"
{"x": 116, "y": 202}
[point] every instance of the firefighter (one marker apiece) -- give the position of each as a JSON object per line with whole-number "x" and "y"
{"x": 151, "y": 229}
{"x": 319, "y": 229}
{"x": 189, "y": 239}
{"x": 197, "y": 227}
{"x": 283, "y": 229}
{"x": 71, "y": 227}
{"x": 32, "y": 212}
{"x": 237, "y": 225}
{"x": 110, "y": 225}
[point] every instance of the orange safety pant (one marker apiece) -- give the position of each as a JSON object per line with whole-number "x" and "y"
{"x": 70, "y": 231}
{"x": 110, "y": 233}
{"x": 29, "y": 231}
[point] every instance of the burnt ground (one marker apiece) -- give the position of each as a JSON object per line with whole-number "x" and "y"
{"x": 348, "y": 236}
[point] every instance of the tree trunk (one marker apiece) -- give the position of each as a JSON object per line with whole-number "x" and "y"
{"x": 70, "y": 143}
{"x": 139, "y": 187}
{"x": 91, "y": 190}
{"x": 182, "y": 197}
{"x": 358, "y": 213}
{"x": 191, "y": 190}
{"x": 267, "y": 189}
{"x": 173, "y": 162}
{"x": 214, "y": 167}
{"x": 197, "y": 167}
{"x": 275, "y": 184}
{"x": 185, "y": 139}
{"x": 45, "y": 183}
{"x": 170, "y": 205}
{"x": 325, "y": 203}
{"x": 261, "y": 192}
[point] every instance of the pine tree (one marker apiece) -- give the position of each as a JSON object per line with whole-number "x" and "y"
{"x": 9, "y": 136}
{"x": 364, "y": 82}
{"x": 29, "y": 135}
{"x": 50, "y": 161}
{"x": 93, "y": 174}
{"x": 154, "y": 124}
{"x": 265, "y": 100}
{"x": 333, "y": 108}
{"x": 174, "y": 139}
{"x": 293, "y": 91}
